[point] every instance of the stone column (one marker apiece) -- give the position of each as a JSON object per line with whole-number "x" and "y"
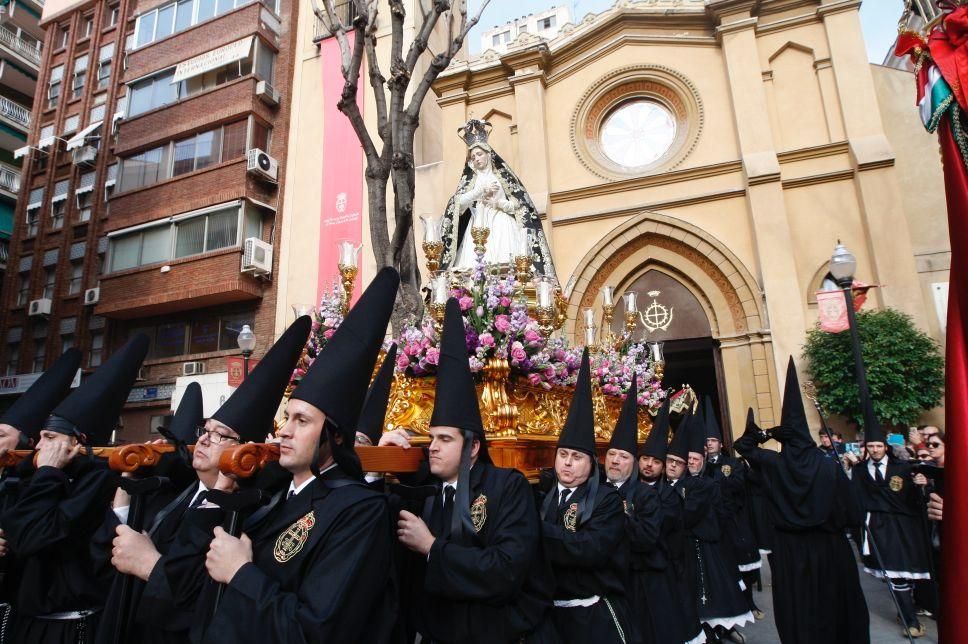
{"x": 885, "y": 225}
{"x": 769, "y": 226}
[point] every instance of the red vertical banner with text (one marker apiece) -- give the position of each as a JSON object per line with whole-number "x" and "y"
{"x": 342, "y": 181}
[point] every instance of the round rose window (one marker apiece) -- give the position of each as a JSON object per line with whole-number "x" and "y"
{"x": 637, "y": 133}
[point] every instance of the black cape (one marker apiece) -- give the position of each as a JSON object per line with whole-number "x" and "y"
{"x": 492, "y": 586}
{"x": 322, "y": 569}
{"x": 816, "y": 587}
{"x": 52, "y": 528}
{"x": 894, "y": 510}
{"x": 585, "y": 557}
{"x": 711, "y": 573}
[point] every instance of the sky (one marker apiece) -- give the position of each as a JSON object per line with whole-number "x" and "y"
{"x": 878, "y": 19}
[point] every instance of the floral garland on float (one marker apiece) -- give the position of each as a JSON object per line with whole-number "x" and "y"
{"x": 526, "y": 369}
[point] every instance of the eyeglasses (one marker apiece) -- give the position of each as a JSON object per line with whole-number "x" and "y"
{"x": 934, "y": 445}
{"x": 214, "y": 437}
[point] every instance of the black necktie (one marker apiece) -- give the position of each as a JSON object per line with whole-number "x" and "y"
{"x": 449, "y": 493}
{"x": 565, "y": 493}
{"x": 200, "y": 499}
{"x": 877, "y": 472}
{"x": 291, "y": 494}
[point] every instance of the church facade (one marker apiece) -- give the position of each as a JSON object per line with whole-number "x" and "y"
{"x": 707, "y": 155}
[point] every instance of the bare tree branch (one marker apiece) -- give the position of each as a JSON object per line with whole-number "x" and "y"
{"x": 443, "y": 59}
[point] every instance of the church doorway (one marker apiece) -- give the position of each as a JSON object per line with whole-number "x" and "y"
{"x": 670, "y": 313}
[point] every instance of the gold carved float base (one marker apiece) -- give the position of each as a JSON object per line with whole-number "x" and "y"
{"x": 522, "y": 420}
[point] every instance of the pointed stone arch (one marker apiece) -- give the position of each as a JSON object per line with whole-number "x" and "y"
{"x": 726, "y": 289}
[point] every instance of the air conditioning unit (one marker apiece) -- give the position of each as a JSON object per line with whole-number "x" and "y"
{"x": 85, "y": 155}
{"x": 193, "y": 368}
{"x": 262, "y": 165}
{"x": 39, "y": 307}
{"x": 267, "y": 93}
{"x": 92, "y": 295}
{"x": 256, "y": 256}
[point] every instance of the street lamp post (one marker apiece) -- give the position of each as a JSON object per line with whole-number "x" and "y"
{"x": 246, "y": 342}
{"x": 842, "y": 267}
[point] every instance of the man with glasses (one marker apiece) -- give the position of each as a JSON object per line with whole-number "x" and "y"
{"x": 157, "y": 559}
{"x": 318, "y": 566}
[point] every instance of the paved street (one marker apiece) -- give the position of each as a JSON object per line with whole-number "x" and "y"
{"x": 884, "y": 627}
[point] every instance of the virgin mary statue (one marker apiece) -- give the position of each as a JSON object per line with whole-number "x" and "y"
{"x": 491, "y": 195}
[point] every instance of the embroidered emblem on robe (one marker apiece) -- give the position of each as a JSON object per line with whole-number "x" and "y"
{"x": 896, "y": 483}
{"x": 479, "y": 512}
{"x": 571, "y": 517}
{"x": 727, "y": 470}
{"x": 294, "y": 538}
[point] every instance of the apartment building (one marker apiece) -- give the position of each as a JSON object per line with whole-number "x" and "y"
{"x": 20, "y": 54}
{"x": 545, "y": 24}
{"x": 154, "y": 179}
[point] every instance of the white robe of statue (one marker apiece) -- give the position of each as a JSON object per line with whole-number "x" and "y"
{"x": 488, "y": 203}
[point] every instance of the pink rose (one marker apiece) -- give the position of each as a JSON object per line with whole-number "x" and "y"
{"x": 550, "y": 373}
{"x": 466, "y": 303}
{"x": 502, "y": 323}
{"x": 486, "y": 340}
{"x": 530, "y": 335}
{"x": 402, "y": 362}
{"x": 328, "y": 333}
{"x": 433, "y": 355}
{"x": 505, "y": 302}
{"x": 518, "y": 352}
{"x": 534, "y": 379}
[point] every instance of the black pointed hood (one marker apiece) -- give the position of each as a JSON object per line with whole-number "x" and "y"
{"x": 31, "y": 409}
{"x": 188, "y": 416}
{"x": 709, "y": 420}
{"x": 373, "y": 414}
{"x": 251, "y": 408}
{"x": 338, "y": 379}
{"x": 625, "y": 436}
{"x": 751, "y": 425}
{"x": 873, "y": 432}
{"x": 578, "y": 432}
{"x": 793, "y": 429}
{"x": 93, "y": 408}
{"x": 679, "y": 445}
{"x": 657, "y": 442}
{"x": 455, "y": 398}
{"x": 696, "y": 438}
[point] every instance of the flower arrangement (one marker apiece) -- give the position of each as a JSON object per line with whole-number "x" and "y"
{"x": 497, "y": 324}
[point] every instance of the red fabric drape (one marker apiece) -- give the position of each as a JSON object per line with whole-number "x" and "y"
{"x": 953, "y": 625}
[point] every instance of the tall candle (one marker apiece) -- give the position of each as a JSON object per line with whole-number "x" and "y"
{"x": 431, "y": 229}
{"x": 589, "y": 317}
{"x": 630, "y": 305}
{"x": 607, "y": 295}
{"x": 545, "y": 291}
{"x": 440, "y": 289}
{"x": 590, "y": 336}
{"x": 348, "y": 252}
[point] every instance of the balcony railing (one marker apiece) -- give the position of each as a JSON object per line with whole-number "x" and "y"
{"x": 9, "y": 179}
{"x": 19, "y": 45}
{"x": 345, "y": 10}
{"x": 15, "y": 111}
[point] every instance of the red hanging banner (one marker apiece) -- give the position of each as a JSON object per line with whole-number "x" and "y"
{"x": 342, "y": 181}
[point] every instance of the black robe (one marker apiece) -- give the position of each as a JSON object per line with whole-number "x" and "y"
{"x": 660, "y": 568}
{"x": 51, "y": 529}
{"x": 489, "y": 587}
{"x": 12, "y": 481}
{"x": 586, "y": 559}
{"x": 322, "y": 570}
{"x": 760, "y": 514}
{"x": 816, "y": 587}
{"x": 730, "y": 473}
{"x": 894, "y": 510}
{"x": 154, "y": 617}
{"x": 710, "y": 569}
{"x": 642, "y": 529}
